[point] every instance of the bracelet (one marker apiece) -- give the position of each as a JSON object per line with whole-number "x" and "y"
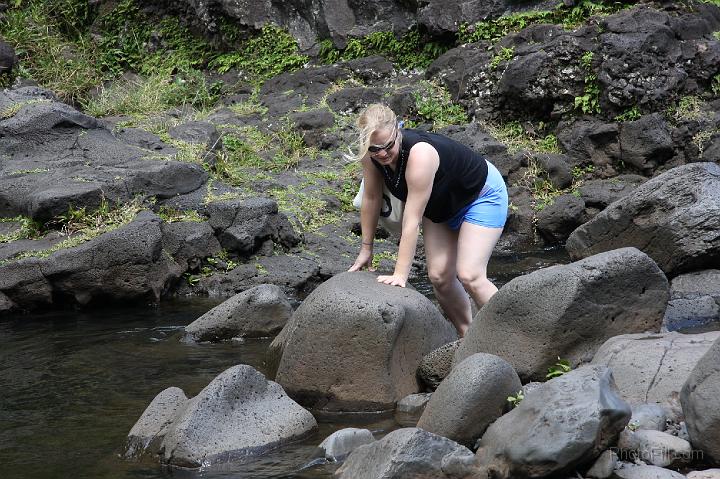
{"x": 368, "y": 244}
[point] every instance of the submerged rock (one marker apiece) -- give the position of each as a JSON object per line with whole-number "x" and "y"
{"x": 341, "y": 443}
{"x": 258, "y": 312}
{"x": 564, "y": 423}
{"x": 354, "y": 344}
{"x": 148, "y": 432}
{"x": 238, "y": 416}
{"x": 410, "y": 408}
{"x": 653, "y": 367}
{"x": 568, "y": 311}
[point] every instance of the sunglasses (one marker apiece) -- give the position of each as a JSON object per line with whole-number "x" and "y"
{"x": 378, "y": 148}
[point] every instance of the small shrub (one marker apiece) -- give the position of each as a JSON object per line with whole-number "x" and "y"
{"x": 629, "y": 115}
{"x": 504, "y": 55}
{"x": 561, "y": 367}
{"x": 516, "y": 399}
{"x": 589, "y": 101}
{"x": 435, "y": 106}
{"x": 272, "y": 52}
{"x": 409, "y": 51}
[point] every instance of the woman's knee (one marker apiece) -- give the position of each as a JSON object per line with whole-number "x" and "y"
{"x": 471, "y": 277}
{"x": 440, "y": 276}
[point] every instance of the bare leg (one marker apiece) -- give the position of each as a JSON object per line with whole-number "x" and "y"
{"x": 475, "y": 245}
{"x": 441, "y": 255}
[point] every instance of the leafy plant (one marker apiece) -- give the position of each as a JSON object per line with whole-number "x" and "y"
{"x": 568, "y": 17}
{"x": 589, "y": 101}
{"x": 629, "y": 115}
{"x": 561, "y": 367}
{"x": 434, "y": 105}
{"x": 272, "y": 52}
{"x": 504, "y": 55}
{"x": 409, "y": 51}
{"x": 515, "y": 400}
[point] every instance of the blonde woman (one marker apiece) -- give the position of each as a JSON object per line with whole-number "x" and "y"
{"x": 457, "y": 195}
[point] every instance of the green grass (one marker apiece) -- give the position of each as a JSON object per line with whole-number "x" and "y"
{"x": 408, "y": 51}
{"x": 504, "y": 55}
{"x": 514, "y": 136}
{"x": 568, "y": 17}
{"x": 28, "y": 229}
{"x": 79, "y": 226}
{"x": 536, "y": 181}
{"x": 173, "y": 215}
{"x": 434, "y": 105}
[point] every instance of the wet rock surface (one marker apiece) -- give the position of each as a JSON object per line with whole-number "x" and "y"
{"x": 257, "y": 312}
{"x": 236, "y": 417}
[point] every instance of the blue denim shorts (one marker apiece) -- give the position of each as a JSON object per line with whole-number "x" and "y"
{"x": 490, "y": 208}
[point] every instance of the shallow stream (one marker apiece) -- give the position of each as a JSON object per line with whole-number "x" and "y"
{"x": 73, "y": 384}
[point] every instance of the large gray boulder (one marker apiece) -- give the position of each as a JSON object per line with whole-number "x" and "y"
{"x": 564, "y": 423}
{"x": 258, "y": 312}
{"x": 472, "y": 396}
{"x": 404, "y": 453}
{"x": 148, "y": 432}
{"x": 568, "y": 311}
{"x": 354, "y": 344}
{"x": 700, "y": 399}
{"x": 674, "y": 218}
{"x": 653, "y": 367}
{"x": 238, "y": 416}
{"x": 55, "y": 156}
{"x": 127, "y": 263}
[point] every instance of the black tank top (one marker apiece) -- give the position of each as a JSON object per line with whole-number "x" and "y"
{"x": 459, "y": 179}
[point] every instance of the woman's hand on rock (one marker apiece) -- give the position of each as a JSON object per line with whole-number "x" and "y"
{"x": 364, "y": 260}
{"x": 394, "y": 280}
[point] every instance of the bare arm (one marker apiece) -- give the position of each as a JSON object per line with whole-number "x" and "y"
{"x": 369, "y": 213}
{"x": 419, "y": 175}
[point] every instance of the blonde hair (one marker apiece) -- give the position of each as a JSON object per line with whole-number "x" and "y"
{"x": 375, "y": 117}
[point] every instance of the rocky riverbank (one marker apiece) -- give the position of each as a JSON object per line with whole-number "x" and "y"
{"x": 605, "y": 128}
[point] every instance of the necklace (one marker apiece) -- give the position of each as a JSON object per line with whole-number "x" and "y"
{"x": 401, "y": 166}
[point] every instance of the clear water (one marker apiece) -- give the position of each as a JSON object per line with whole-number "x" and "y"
{"x": 73, "y": 384}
